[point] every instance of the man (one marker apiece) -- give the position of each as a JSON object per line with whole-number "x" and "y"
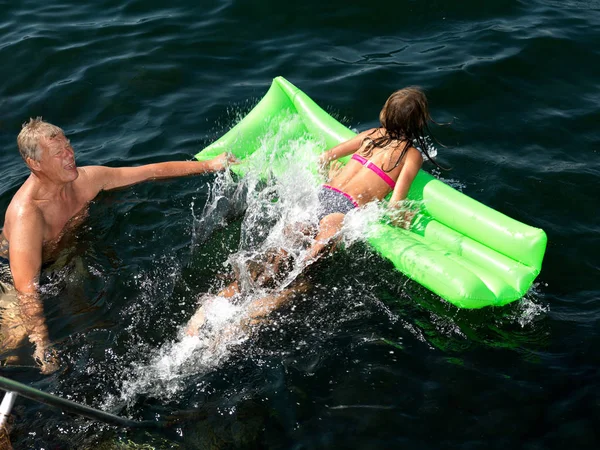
{"x": 49, "y": 203}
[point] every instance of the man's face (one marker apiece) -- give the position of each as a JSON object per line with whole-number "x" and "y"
{"x": 58, "y": 158}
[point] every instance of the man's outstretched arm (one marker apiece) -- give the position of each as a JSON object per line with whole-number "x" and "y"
{"x": 107, "y": 178}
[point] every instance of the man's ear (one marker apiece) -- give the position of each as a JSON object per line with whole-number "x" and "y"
{"x": 33, "y": 164}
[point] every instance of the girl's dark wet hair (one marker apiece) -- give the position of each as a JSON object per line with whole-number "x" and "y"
{"x": 404, "y": 116}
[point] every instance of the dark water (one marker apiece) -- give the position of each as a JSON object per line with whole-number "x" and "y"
{"x": 367, "y": 359}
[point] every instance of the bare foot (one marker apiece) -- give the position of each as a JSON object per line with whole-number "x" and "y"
{"x": 196, "y": 322}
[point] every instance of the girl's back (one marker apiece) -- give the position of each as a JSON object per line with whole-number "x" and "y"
{"x": 372, "y": 173}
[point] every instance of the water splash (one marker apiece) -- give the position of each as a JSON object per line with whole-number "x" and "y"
{"x": 225, "y": 198}
{"x": 169, "y": 368}
{"x": 456, "y": 184}
{"x": 530, "y": 308}
{"x": 431, "y": 148}
{"x": 273, "y": 205}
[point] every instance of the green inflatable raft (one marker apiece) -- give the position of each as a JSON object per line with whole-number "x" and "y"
{"x": 463, "y": 251}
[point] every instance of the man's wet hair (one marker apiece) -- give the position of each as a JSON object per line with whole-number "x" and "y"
{"x": 28, "y": 139}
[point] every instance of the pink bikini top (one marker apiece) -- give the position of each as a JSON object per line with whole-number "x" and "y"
{"x": 368, "y": 164}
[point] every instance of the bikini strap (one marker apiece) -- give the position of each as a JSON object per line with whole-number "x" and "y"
{"x": 384, "y": 176}
{"x": 348, "y": 196}
{"x": 361, "y": 159}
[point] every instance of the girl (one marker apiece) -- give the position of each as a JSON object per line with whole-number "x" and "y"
{"x": 383, "y": 161}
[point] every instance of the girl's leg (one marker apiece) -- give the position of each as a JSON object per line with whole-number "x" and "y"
{"x": 197, "y": 320}
{"x": 329, "y": 226}
{"x": 264, "y": 306}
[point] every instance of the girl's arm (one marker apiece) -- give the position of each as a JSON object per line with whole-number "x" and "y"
{"x": 345, "y": 148}
{"x": 412, "y": 164}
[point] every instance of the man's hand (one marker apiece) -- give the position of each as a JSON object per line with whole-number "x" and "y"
{"x": 223, "y": 161}
{"x": 46, "y": 358}
{"x": 32, "y": 315}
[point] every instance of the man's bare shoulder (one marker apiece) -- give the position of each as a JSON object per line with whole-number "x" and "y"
{"x": 89, "y": 173}
{"x": 91, "y": 180}
{"x": 22, "y": 212}
{"x": 96, "y": 174}
{"x": 23, "y": 200}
